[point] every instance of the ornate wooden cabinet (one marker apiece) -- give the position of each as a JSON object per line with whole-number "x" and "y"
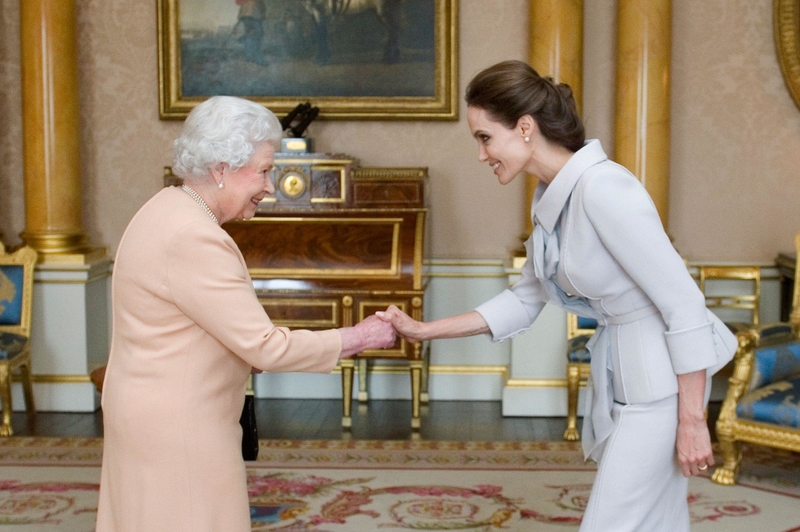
{"x": 335, "y": 244}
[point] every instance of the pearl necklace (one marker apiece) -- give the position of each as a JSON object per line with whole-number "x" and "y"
{"x": 195, "y": 196}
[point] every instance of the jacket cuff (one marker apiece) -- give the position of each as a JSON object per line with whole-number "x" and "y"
{"x": 692, "y": 349}
{"x": 506, "y": 316}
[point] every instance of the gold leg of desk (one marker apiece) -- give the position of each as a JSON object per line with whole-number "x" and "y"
{"x": 426, "y": 362}
{"x": 363, "y": 371}
{"x": 347, "y": 365}
{"x": 415, "y": 366}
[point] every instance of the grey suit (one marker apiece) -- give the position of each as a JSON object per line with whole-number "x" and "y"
{"x": 598, "y": 249}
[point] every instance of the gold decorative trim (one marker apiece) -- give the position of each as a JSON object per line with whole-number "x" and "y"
{"x": 452, "y": 262}
{"x": 538, "y": 383}
{"x": 73, "y": 281}
{"x": 280, "y": 159}
{"x": 441, "y": 105}
{"x": 84, "y": 256}
{"x": 303, "y": 324}
{"x": 61, "y": 379}
{"x": 763, "y": 434}
{"x": 457, "y": 275}
{"x": 380, "y": 174}
{"x": 419, "y": 242}
{"x": 787, "y": 37}
{"x": 401, "y": 369}
{"x": 468, "y": 370}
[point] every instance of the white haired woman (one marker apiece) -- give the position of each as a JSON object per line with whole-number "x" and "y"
{"x": 188, "y": 330}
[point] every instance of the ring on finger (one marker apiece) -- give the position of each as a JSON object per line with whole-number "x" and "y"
{"x": 703, "y": 467}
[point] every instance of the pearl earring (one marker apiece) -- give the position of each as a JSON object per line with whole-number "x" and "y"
{"x": 527, "y": 139}
{"x": 220, "y": 185}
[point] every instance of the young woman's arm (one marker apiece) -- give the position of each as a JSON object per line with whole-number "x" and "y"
{"x": 467, "y": 324}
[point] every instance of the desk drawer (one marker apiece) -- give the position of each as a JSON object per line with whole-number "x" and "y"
{"x": 303, "y": 312}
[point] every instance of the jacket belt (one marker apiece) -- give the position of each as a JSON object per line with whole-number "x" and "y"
{"x": 597, "y": 424}
{"x": 630, "y": 317}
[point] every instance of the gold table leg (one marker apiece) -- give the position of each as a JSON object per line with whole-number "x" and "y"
{"x": 363, "y": 371}
{"x": 347, "y": 365}
{"x": 415, "y": 366}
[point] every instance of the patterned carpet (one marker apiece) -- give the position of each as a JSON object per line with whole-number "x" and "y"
{"x": 331, "y": 486}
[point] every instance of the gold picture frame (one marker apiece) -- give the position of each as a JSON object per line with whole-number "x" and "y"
{"x": 206, "y": 51}
{"x": 787, "y": 43}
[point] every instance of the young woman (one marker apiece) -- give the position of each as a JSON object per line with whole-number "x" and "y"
{"x": 598, "y": 249}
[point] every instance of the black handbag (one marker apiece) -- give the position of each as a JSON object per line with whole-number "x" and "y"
{"x": 249, "y": 428}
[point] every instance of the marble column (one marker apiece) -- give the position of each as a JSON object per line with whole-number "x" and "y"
{"x": 51, "y": 127}
{"x": 644, "y": 42}
{"x": 69, "y": 333}
{"x": 556, "y": 50}
{"x": 536, "y": 384}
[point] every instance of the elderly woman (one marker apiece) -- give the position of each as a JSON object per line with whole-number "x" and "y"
{"x": 188, "y": 330}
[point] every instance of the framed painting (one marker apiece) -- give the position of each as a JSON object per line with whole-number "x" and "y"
{"x": 354, "y": 59}
{"x": 787, "y": 42}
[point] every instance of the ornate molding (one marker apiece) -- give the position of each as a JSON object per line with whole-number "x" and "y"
{"x": 787, "y": 43}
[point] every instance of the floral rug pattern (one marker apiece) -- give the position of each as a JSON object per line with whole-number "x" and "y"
{"x": 329, "y": 486}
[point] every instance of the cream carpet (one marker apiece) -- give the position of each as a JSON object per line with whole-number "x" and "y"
{"x": 331, "y": 486}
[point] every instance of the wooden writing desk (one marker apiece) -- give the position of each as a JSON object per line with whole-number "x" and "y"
{"x": 335, "y": 244}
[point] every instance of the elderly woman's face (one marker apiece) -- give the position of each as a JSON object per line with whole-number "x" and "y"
{"x": 248, "y": 185}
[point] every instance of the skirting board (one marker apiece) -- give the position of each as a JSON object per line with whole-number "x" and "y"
{"x": 538, "y": 401}
{"x": 58, "y": 397}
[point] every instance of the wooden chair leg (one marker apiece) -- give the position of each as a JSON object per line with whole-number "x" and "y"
{"x": 27, "y": 385}
{"x": 573, "y": 380}
{"x": 5, "y": 396}
{"x": 728, "y": 472}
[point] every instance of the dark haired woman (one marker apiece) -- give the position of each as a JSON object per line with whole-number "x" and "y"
{"x": 598, "y": 249}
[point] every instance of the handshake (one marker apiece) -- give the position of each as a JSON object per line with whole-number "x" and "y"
{"x": 379, "y": 332}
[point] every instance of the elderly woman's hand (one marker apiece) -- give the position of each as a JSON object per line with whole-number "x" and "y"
{"x": 372, "y": 333}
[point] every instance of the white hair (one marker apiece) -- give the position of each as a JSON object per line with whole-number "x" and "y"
{"x": 222, "y": 129}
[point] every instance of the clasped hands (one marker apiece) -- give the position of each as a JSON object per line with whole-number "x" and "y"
{"x": 379, "y": 332}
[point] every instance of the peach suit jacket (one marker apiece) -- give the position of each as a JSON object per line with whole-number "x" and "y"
{"x": 187, "y": 328}
{"x": 599, "y": 250}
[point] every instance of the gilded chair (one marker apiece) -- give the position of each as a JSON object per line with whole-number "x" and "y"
{"x": 579, "y": 331}
{"x": 722, "y": 288}
{"x": 16, "y": 298}
{"x": 717, "y": 284}
{"x": 762, "y": 404}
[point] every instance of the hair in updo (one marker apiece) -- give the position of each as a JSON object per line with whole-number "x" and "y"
{"x": 512, "y": 89}
{"x": 223, "y": 129}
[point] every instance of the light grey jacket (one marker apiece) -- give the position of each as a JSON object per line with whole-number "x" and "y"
{"x": 598, "y": 249}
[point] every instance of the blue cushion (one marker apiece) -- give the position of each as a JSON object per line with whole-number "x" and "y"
{"x": 11, "y": 294}
{"x": 777, "y": 403}
{"x": 11, "y": 345}
{"x": 576, "y": 349}
{"x": 587, "y": 323}
{"x": 775, "y": 362}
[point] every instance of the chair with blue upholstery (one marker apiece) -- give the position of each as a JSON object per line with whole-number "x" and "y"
{"x": 16, "y": 299}
{"x": 579, "y": 331}
{"x": 762, "y": 405}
